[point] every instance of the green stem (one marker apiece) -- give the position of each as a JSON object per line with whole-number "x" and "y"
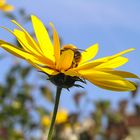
{"x": 58, "y": 93}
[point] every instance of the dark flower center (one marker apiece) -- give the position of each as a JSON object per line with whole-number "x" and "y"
{"x": 65, "y": 81}
{"x": 62, "y": 80}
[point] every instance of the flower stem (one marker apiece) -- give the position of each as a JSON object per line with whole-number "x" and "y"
{"x": 58, "y": 93}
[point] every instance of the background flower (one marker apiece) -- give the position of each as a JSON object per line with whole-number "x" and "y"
{"x": 5, "y": 7}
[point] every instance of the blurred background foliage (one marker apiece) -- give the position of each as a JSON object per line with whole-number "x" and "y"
{"x": 18, "y": 109}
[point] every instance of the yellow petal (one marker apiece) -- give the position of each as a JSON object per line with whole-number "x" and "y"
{"x": 7, "y": 8}
{"x": 98, "y": 75}
{"x": 88, "y": 66}
{"x": 123, "y": 74}
{"x": 115, "y": 85}
{"x": 56, "y": 44}
{"x": 65, "y": 60}
{"x": 25, "y": 43}
{"x": 94, "y": 65}
{"x": 24, "y": 40}
{"x": 89, "y": 53}
{"x": 14, "y": 50}
{"x": 2, "y": 42}
{"x": 113, "y": 63}
{"x": 107, "y": 80}
{"x": 2, "y": 2}
{"x": 45, "y": 70}
{"x": 123, "y": 52}
{"x": 108, "y": 58}
{"x": 29, "y": 38}
{"x": 24, "y": 55}
{"x": 43, "y": 38}
{"x": 71, "y": 72}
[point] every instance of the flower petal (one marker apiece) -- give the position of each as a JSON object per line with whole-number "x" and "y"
{"x": 29, "y": 38}
{"x": 26, "y": 44}
{"x": 45, "y": 70}
{"x": 24, "y": 55}
{"x": 105, "y": 80}
{"x": 2, "y": 2}
{"x": 99, "y": 75}
{"x": 113, "y": 63}
{"x": 89, "y": 53}
{"x": 7, "y": 8}
{"x": 123, "y": 52}
{"x": 115, "y": 85}
{"x": 14, "y": 50}
{"x": 24, "y": 40}
{"x": 123, "y": 74}
{"x": 108, "y": 80}
{"x": 88, "y": 66}
{"x": 71, "y": 72}
{"x": 43, "y": 38}
{"x": 65, "y": 60}
{"x": 107, "y": 58}
{"x": 56, "y": 44}
{"x": 96, "y": 65}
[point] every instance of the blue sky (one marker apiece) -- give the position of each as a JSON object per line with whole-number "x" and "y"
{"x": 114, "y": 24}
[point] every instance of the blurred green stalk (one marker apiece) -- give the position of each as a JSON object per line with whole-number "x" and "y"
{"x": 58, "y": 93}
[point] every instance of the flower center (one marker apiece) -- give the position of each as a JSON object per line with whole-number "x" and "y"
{"x": 66, "y": 81}
{"x": 62, "y": 80}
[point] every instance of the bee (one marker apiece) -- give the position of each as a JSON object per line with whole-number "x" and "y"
{"x": 77, "y": 54}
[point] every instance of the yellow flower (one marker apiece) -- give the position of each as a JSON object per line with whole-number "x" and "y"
{"x": 45, "y": 121}
{"x": 5, "y": 7}
{"x": 68, "y": 64}
{"x": 62, "y": 116}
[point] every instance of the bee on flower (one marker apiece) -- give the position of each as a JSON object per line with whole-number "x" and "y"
{"x": 5, "y": 7}
{"x": 67, "y": 64}
{"x": 77, "y": 54}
